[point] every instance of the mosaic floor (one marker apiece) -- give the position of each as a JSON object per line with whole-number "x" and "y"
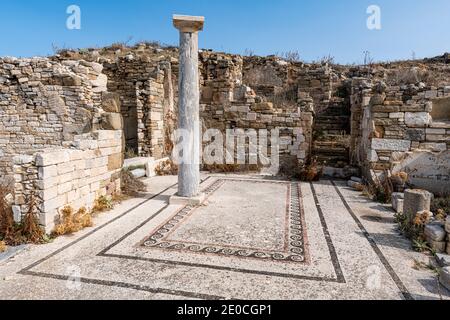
{"x": 253, "y": 238}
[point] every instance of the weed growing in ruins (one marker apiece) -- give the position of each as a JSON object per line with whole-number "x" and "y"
{"x": 71, "y": 222}
{"x": 102, "y": 204}
{"x": 309, "y": 173}
{"x": 130, "y": 153}
{"x": 441, "y": 205}
{"x": 6, "y": 215}
{"x": 167, "y": 168}
{"x": 415, "y": 230}
{"x": 28, "y": 231}
{"x": 31, "y": 230}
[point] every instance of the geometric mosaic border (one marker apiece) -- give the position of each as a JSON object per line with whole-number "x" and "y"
{"x": 294, "y": 250}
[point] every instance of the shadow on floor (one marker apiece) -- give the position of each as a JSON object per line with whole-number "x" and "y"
{"x": 434, "y": 287}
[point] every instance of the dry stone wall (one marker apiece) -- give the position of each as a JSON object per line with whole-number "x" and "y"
{"x": 45, "y": 103}
{"x": 393, "y": 129}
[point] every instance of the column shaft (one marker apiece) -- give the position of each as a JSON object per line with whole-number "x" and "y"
{"x": 189, "y": 115}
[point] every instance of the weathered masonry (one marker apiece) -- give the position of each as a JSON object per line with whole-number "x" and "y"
{"x": 68, "y": 121}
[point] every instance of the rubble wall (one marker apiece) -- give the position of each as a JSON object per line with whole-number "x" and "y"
{"x": 45, "y": 103}
{"x": 393, "y": 130}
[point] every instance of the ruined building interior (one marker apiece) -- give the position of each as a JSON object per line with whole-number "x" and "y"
{"x": 68, "y": 122}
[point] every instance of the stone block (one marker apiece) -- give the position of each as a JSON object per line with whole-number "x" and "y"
{"x": 263, "y": 106}
{"x": 22, "y": 159}
{"x": 398, "y": 201}
{"x": 47, "y": 172}
{"x": 139, "y": 173}
{"x": 437, "y": 246}
{"x": 435, "y": 232}
{"x": 105, "y": 134}
{"x": 65, "y": 187}
{"x": 17, "y": 214}
{"x": 416, "y": 200}
{"x": 45, "y": 159}
{"x": 417, "y": 119}
{"x": 101, "y": 81}
{"x": 396, "y": 115}
{"x": 443, "y": 260}
{"x": 391, "y": 144}
{"x": 444, "y": 277}
{"x": 115, "y": 161}
{"x": 447, "y": 225}
{"x": 64, "y": 168}
{"x": 54, "y": 203}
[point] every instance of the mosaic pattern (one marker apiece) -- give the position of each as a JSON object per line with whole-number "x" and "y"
{"x": 294, "y": 231}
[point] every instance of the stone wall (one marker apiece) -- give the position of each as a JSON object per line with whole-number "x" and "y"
{"x": 392, "y": 127}
{"x": 251, "y": 94}
{"x": 44, "y": 102}
{"x": 145, "y": 87}
{"x": 74, "y": 176}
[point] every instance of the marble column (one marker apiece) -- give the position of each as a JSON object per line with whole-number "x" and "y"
{"x": 189, "y": 104}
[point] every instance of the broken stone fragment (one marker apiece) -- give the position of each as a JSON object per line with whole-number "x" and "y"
{"x": 397, "y": 201}
{"x": 435, "y": 232}
{"x": 443, "y": 259}
{"x": 416, "y": 200}
{"x": 356, "y": 179}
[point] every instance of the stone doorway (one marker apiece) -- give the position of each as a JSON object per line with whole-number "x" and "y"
{"x": 332, "y": 132}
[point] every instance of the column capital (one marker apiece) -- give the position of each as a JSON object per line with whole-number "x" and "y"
{"x": 188, "y": 23}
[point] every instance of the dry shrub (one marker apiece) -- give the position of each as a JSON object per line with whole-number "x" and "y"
{"x": 71, "y": 222}
{"x": 131, "y": 186}
{"x": 6, "y": 215}
{"x": 167, "y": 168}
{"x": 311, "y": 172}
{"x": 415, "y": 230}
{"x": 441, "y": 204}
{"x": 399, "y": 180}
{"x": 381, "y": 189}
{"x": 11, "y": 233}
{"x": 31, "y": 230}
{"x": 103, "y": 204}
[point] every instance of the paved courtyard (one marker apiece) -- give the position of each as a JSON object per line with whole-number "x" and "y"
{"x": 254, "y": 238}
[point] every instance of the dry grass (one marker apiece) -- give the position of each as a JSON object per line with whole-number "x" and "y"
{"x": 311, "y": 172}
{"x": 2, "y": 246}
{"x": 103, "y": 204}
{"x": 6, "y": 215}
{"x": 31, "y": 230}
{"x": 71, "y": 222}
{"x": 167, "y": 168}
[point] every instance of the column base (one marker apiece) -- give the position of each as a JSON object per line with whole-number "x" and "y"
{"x": 192, "y": 201}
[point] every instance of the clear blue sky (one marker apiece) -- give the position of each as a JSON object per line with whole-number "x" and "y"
{"x": 313, "y": 28}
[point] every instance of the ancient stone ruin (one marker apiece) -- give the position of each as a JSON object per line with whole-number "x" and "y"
{"x": 67, "y": 122}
